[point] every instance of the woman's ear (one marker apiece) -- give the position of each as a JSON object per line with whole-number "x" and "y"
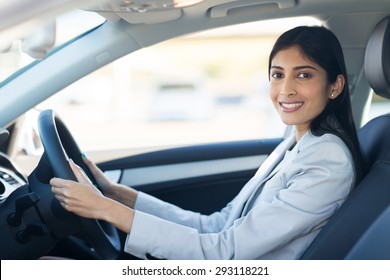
{"x": 337, "y": 87}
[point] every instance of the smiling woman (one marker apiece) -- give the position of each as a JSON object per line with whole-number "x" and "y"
{"x": 282, "y": 208}
{"x": 183, "y": 120}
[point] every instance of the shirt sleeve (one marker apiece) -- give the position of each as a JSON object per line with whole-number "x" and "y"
{"x": 167, "y": 211}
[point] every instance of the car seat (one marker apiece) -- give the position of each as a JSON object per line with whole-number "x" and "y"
{"x": 372, "y": 195}
{"x": 375, "y": 242}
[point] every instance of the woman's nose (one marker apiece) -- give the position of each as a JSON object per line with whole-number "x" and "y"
{"x": 288, "y": 88}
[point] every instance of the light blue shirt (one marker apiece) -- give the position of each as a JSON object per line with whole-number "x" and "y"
{"x": 275, "y": 216}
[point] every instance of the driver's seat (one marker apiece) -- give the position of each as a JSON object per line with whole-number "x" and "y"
{"x": 371, "y": 196}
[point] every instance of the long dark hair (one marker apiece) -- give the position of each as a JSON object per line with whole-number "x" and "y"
{"x": 321, "y": 46}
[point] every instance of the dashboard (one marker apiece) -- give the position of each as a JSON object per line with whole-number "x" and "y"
{"x": 10, "y": 178}
{"x": 23, "y": 231}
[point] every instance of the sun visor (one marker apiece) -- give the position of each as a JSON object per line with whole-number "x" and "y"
{"x": 38, "y": 44}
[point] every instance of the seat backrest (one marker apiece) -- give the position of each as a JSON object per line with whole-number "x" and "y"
{"x": 372, "y": 195}
{"x": 375, "y": 242}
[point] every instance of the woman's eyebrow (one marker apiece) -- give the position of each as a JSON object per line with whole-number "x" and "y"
{"x": 304, "y": 67}
{"x": 296, "y": 68}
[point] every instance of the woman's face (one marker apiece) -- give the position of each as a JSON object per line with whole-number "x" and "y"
{"x": 298, "y": 88}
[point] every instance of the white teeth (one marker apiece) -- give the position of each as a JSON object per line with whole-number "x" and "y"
{"x": 291, "y": 105}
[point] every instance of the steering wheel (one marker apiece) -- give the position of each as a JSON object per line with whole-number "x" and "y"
{"x": 59, "y": 145}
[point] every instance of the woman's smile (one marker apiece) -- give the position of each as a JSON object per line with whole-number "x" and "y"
{"x": 290, "y": 106}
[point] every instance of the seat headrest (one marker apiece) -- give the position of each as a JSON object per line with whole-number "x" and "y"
{"x": 377, "y": 58}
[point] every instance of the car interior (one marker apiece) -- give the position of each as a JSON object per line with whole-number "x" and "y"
{"x": 34, "y": 224}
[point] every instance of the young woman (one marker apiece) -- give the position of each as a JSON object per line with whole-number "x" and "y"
{"x": 283, "y": 207}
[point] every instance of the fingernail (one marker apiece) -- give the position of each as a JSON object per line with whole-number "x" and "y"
{"x": 84, "y": 155}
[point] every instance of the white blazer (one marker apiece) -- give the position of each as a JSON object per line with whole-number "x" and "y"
{"x": 275, "y": 216}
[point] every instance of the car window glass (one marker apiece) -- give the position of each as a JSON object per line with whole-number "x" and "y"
{"x": 379, "y": 106}
{"x": 203, "y": 88}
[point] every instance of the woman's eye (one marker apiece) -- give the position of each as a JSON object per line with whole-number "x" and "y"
{"x": 276, "y": 75}
{"x": 304, "y": 75}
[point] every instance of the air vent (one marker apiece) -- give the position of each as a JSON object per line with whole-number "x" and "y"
{"x": 9, "y": 182}
{"x": 8, "y": 178}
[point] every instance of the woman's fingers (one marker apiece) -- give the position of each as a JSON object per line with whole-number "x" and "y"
{"x": 58, "y": 185}
{"x": 60, "y": 188}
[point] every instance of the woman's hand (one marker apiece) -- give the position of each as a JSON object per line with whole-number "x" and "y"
{"x": 83, "y": 199}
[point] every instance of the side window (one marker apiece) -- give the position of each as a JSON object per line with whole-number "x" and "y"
{"x": 207, "y": 87}
{"x": 379, "y": 106}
